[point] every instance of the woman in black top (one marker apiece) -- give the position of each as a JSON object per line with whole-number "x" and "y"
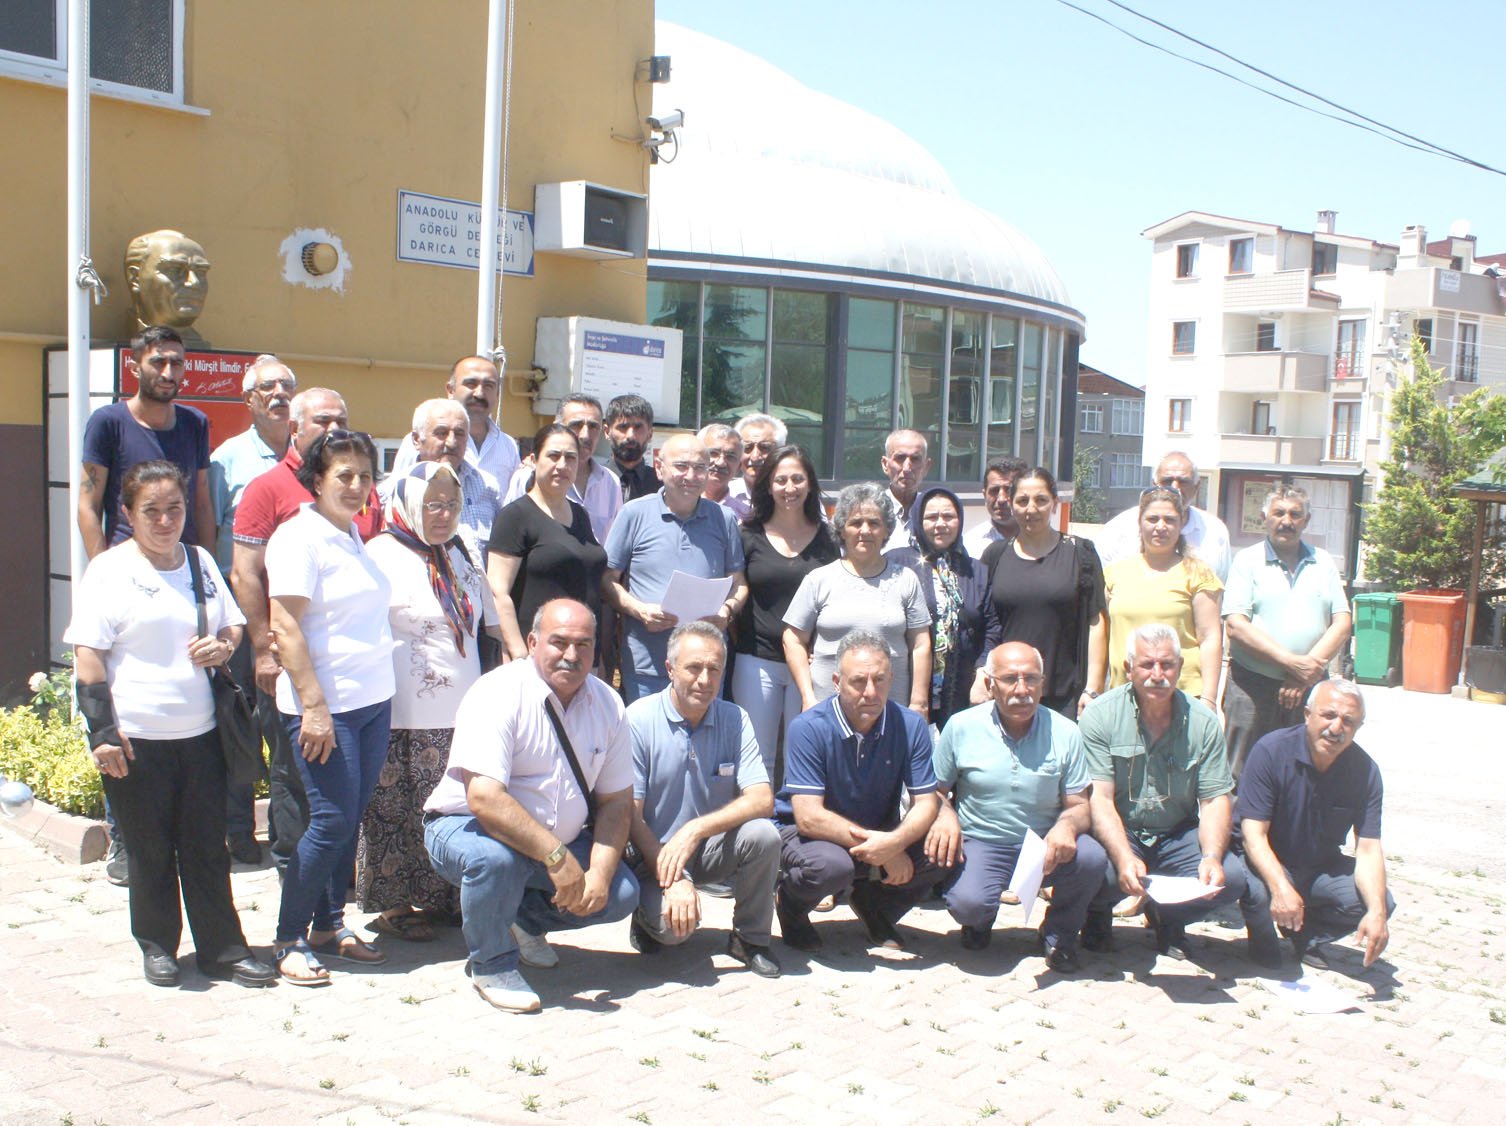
{"x": 784, "y": 539}
{"x": 1046, "y": 589}
{"x": 956, "y": 587}
{"x": 542, "y": 546}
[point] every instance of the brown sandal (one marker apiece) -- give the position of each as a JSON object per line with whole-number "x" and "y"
{"x": 350, "y": 947}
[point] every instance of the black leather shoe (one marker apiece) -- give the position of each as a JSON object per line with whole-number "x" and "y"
{"x": 1098, "y": 932}
{"x": 243, "y": 848}
{"x": 1171, "y": 938}
{"x": 1264, "y": 949}
{"x": 248, "y": 971}
{"x": 160, "y": 968}
{"x": 756, "y": 958}
{"x": 976, "y": 938}
{"x": 1059, "y": 956}
{"x": 795, "y": 925}
{"x": 880, "y": 930}
{"x": 641, "y": 940}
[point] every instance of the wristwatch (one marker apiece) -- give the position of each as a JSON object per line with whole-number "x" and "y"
{"x": 556, "y": 856}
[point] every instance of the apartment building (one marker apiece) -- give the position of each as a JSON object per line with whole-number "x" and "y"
{"x": 1272, "y": 354}
{"x": 1111, "y": 420}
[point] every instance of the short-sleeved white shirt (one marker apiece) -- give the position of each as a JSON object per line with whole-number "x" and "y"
{"x": 430, "y": 674}
{"x": 349, "y": 641}
{"x": 143, "y": 619}
{"x": 502, "y": 732}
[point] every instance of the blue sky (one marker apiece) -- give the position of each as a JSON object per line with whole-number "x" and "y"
{"x": 1081, "y": 138}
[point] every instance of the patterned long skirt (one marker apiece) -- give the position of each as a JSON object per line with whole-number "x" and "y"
{"x": 392, "y": 865}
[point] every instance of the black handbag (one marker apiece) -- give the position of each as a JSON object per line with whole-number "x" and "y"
{"x": 240, "y": 736}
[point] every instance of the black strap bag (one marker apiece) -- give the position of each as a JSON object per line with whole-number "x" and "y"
{"x": 240, "y": 737}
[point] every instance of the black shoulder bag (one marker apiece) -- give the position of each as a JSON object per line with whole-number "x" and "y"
{"x": 580, "y": 776}
{"x": 240, "y": 737}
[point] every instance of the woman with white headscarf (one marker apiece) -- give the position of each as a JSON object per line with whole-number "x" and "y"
{"x": 440, "y": 602}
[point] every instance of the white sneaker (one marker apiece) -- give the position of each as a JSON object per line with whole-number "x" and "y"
{"x": 534, "y": 949}
{"x": 507, "y": 991}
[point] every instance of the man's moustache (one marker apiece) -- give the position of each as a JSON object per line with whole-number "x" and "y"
{"x": 1158, "y": 682}
{"x": 565, "y": 664}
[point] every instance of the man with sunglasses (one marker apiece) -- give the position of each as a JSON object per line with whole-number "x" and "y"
{"x": 1005, "y": 768}
{"x": 761, "y": 435}
{"x": 1205, "y": 532}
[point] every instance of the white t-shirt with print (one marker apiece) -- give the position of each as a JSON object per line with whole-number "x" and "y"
{"x": 431, "y": 674}
{"x": 144, "y": 619}
{"x": 344, "y": 626}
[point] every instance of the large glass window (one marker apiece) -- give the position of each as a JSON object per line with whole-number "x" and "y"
{"x": 922, "y": 361}
{"x": 1003, "y": 372}
{"x": 1349, "y": 360}
{"x": 1032, "y": 345}
{"x": 734, "y": 352}
{"x": 134, "y": 44}
{"x": 802, "y": 351}
{"x": 677, "y": 304}
{"x": 964, "y": 413}
{"x": 869, "y": 408}
{"x": 1090, "y": 416}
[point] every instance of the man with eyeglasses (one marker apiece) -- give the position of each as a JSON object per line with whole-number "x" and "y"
{"x": 440, "y": 433}
{"x": 267, "y": 387}
{"x": 476, "y": 385}
{"x": 265, "y": 504}
{"x": 1005, "y": 768}
{"x": 595, "y": 488}
{"x": 760, "y": 435}
{"x": 1161, "y": 801}
{"x": 724, "y": 454}
{"x": 1205, "y": 532}
{"x": 675, "y": 529}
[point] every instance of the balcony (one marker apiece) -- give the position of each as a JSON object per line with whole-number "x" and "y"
{"x": 1428, "y": 287}
{"x": 1265, "y": 373}
{"x": 1282, "y": 291}
{"x": 1271, "y": 449}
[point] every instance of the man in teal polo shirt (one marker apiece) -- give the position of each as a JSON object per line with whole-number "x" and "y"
{"x": 1161, "y": 792}
{"x": 1287, "y": 617}
{"x": 1005, "y": 768}
{"x": 703, "y": 802}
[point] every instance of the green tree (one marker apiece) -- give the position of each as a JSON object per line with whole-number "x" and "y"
{"x": 1418, "y": 534}
{"x": 1087, "y": 502}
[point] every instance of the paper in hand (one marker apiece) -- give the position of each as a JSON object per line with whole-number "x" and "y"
{"x": 1029, "y": 871}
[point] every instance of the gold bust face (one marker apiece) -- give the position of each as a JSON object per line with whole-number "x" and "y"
{"x": 169, "y": 278}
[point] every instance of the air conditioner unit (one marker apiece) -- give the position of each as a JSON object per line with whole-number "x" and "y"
{"x": 586, "y": 220}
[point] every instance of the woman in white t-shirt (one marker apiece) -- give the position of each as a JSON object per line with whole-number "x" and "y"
{"x": 328, "y": 613}
{"x": 146, "y": 700}
{"x": 440, "y": 602}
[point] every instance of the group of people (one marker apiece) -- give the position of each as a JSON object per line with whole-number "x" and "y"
{"x": 883, "y": 708}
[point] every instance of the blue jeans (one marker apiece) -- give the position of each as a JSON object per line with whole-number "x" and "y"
{"x": 500, "y": 886}
{"x": 321, "y": 868}
{"x": 973, "y": 895}
{"x": 1176, "y": 853}
{"x": 636, "y": 685}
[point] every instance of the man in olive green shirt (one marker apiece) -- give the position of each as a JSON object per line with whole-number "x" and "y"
{"x": 1161, "y": 793}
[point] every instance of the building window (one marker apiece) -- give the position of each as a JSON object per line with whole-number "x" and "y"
{"x": 1241, "y": 256}
{"x": 1325, "y": 258}
{"x": 1178, "y": 416}
{"x": 1349, "y": 359}
{"x": 1424, "y": 332}
{"x": 1467, "y": 369}
{"x": 734, "y": 351}
{"x": 800, "y": 365}
{"x": 1187, "y": 260}
{"x": 1127, "y": 416}
{"x": 1094, "y": 478}
{"x": 1003, "y": 373}
{"x": 677, "y": 304}
{"x": 1126, "y": 472}
{"x": 1091, "y": 418}
{"x": 922, "y": 361}
{"x": 867, "y": 417}
{"x": 135, "y": 46}
{"x": 1265, "y": 336}
{"x": 1344, "y": 442}
{"x": 1183, "y": 337}
{"x": 1260, "y": 418}
{"x": 964, "y": 431}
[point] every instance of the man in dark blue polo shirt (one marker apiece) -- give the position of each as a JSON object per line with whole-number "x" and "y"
{"x": 1302, "y": 792}
{"x": 847, "y": 761}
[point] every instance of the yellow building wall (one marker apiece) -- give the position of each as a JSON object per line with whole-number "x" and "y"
{"x": 318, "y": 114}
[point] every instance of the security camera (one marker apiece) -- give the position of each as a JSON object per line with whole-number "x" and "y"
{"x": 668, "y": 122}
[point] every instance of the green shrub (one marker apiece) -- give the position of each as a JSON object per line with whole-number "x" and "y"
{"x": 52, "y": 757}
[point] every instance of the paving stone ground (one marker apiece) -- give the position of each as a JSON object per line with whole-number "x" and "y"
{"x": 935, "y": 1035}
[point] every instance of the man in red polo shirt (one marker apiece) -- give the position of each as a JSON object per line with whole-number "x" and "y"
{"x": 267, "y": 502}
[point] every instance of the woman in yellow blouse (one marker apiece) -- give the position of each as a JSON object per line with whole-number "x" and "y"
{"x": 1166, "y": 582}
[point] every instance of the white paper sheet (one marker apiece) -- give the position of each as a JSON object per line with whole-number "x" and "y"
{"x": 1029, "y": 871}
{"x": 689, "y": 597}
{"x": 1167, "y": 890}
{"x": 1313, "y": 995}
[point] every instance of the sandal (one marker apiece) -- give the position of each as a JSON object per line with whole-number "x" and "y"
{"x": 350, "y": 947}
{"x": 409, "y": 926}
{"x": 316, "y": 973}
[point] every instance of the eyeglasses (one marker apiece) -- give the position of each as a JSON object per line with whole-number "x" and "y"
{"x": 758, "y": 447}
{"x": 1028, "y": 679}
{"x": 441, "y": 507}
{"x": 1170, "y": 482}
{"x": 273, "y": 384}
{"x": 722, "y": 455}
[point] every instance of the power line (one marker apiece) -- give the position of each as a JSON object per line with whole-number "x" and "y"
{"x": 1367, "y": 124}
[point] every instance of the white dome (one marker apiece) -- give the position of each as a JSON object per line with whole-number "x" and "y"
{"x": 772, "y": 171}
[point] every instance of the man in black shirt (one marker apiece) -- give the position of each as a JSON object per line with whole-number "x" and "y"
{"x": 630, "y": 428}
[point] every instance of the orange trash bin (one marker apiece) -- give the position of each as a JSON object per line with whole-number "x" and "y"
{"x": 1432, "y": 646}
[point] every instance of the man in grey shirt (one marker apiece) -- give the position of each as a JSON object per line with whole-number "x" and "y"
{"x": 702, "y": 800}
